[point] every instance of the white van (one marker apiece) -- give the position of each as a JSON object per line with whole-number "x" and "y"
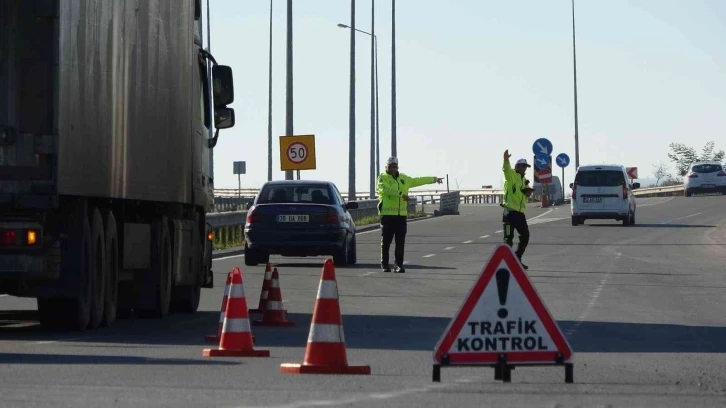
{"x": 602, "y": 192}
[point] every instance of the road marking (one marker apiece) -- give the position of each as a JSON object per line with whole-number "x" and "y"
{"x": 368, "y": 274}
{"x": 449, "y": 248}
{"x": 56, "y": 341}
{"x": 429, "y": 255}
{"x": 593, "y": 297}
{"x": 467, "y": 242}
{"x": 484, "y": 236}
{"x": 682, "y": 218}
{"x": 541, "y": 215}
{"x": 379, "y": 396}
{"x": 3, "y": 295}
{"x": 500, "y": 231}
{"x": 659, "y": 203}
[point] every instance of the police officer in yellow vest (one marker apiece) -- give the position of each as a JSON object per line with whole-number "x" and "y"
{"x": 516, "y": 195}
{"x": 393, "y": 208}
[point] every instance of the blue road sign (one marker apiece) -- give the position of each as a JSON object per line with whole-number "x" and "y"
{"x": 542, "y": 146}
{"x": 541, "y": 161}
{"x": 563, "y": 160}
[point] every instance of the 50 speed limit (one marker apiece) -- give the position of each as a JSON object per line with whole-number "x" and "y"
{"x": 297, "y": 153}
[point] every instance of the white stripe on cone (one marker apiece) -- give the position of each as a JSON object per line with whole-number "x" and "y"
{"x": 238, "y": 291}
{"x": 328, "y": 289}
{"x": 326, "y": 333}
{"x": 240, "y": 325}
{"x": 274, "y": 283}
{"x": 274, "y": 305}
{"x": 268, "y": 275}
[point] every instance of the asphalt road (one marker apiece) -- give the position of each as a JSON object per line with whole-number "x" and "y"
{"x": 643, "y": 308}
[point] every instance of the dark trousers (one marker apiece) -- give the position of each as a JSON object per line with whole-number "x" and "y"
{"x": 515, "y": 220}
{"x": 393, "y": 226}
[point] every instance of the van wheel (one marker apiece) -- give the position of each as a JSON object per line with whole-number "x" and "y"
{"x": 575, "y": 221}
{"x": 626, "y": 220}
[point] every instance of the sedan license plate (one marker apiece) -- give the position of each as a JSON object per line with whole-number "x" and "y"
{"x": 293, "y": 218}
{"x": 592, "y": 199}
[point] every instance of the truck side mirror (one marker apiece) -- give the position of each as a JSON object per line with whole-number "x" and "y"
{"x": 572, "y": 185}
{"x": 636, "y": 186}
{"x": 223, "y": 118}
{"x": 223, "y": 85}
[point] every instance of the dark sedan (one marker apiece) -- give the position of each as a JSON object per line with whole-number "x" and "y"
{"x": 300, "y": 218}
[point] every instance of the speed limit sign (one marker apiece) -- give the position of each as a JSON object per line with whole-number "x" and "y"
{"x": 297, "y": 152}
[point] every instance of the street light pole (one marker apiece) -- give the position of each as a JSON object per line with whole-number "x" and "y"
{"x": 393, "y": 79}
{"x": 288, "y": 107}
{"x": 375, "y": 124}
{"x": 373, "y": 101}
{"x": 351, "y": 130}
{"x": 269, "y": 107}
{"x": 574, "y": 65}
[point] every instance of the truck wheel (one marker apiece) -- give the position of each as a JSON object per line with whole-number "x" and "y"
{"x": 111, "y": 297}
{"x": 98, "y": 270}
{"x": 155, "y": 295}
{"x": 72, "y": 313}
{"x": 185, "y": 299}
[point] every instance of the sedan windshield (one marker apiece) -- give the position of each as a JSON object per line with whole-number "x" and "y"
{"x": 284, "y": 194}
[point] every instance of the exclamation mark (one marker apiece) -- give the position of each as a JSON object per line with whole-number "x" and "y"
{"x": 502, "y": 289}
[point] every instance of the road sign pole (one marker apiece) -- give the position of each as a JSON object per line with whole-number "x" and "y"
{"x": 447, "y": 183}
{"x": 288, "y": 103}
{"x": 239, "y": 186}
{"x": 563, "y": 184}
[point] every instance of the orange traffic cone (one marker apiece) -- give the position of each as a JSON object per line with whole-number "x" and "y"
{"x": 325, "y": 352}
{"x": 264, "y": 292}
{"x": 274, "y": 310}
{"x": 236, "y": 339}
{"x": 214, "y": 338}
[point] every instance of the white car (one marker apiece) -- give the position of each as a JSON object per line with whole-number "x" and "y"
{"x": 602, "y": 192}
{"x": 705, "y": 177}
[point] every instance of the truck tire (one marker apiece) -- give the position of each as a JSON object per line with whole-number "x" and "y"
{"x": 111, "y": 298}
{"x": 155, "y": 294}
{"x": 185, "y": 299}
{"x": 98, "y": 270}
{"x": 73, "y": 313}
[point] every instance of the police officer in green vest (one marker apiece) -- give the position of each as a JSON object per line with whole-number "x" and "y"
{"x": 393, "y": 208}
{"x": 516, "y": 196}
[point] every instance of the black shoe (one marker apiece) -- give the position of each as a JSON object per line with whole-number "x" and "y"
{"x": 385, "y": 268}
{"x": 399, "y": 269}
{"x": 523, "y": 265}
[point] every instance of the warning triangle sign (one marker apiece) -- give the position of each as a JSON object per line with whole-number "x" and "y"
{"x": 502, "y": 315}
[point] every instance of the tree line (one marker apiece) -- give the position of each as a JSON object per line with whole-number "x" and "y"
{"x": 682, "y": 157}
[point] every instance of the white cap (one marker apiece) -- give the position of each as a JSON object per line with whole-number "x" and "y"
{"x": 523, "y": 161}
{"x": 392, "y": 160}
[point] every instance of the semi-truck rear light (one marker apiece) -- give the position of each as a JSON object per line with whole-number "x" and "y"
{"x": 32, "y": 237}
{"x": 210, "y": 236}
{"x": 8, "y": 237}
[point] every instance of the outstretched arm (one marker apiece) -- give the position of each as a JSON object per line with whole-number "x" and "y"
{"x": 422, "y": 181}
{"x": 509, "y": 173}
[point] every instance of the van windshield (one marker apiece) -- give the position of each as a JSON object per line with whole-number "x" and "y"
{"x": 599, "y": 178}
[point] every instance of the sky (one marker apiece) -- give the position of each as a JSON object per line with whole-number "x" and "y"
{"x": 474, "y": 78}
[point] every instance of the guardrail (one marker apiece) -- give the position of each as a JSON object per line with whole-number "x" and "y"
{"x": 470, "y": 196}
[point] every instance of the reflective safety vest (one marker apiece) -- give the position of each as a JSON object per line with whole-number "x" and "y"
{"x": 391, "y": 190}
{"x": 514, "y": 183}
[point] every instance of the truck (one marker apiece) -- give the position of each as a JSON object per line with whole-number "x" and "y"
{"x": 105, "y": 180}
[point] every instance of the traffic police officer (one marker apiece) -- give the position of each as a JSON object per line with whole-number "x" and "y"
{"x": 516, "y": 195}
{"x": 393, "y": 208}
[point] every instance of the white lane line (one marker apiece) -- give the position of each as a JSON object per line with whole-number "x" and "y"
{"x": 467, "y": 242}
{"x": 484, "y": 236}
{"x": 540, "y": 216}
{"x": 682, "y": 218}
{"x": 498, "y": 232}
{"x": 56, "y": 341}
{"x": 658, "y": 203}
{"x": 449, "y": 248}
{"x": 3, "y": 295}
{"x": 429, "y": 255}
{"x": 368, "y": 274}
{"x": 593, "y": 297}
{"x": 378, "y": 396}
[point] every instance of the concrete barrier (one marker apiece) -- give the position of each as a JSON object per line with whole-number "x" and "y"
{"x": 449, "y": 204}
